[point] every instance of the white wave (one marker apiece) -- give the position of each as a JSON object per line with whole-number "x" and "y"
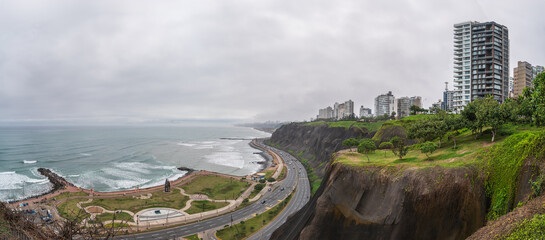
{"x": 162, "y": 180}
{"x": 186, "y": 144}
{"x": 230, "y": 159}
{"x": 72, "y": 176}
{"x": 31, "y": 180}
{"x": 13, "y": 180}
{"x": 86, "y": 154}
{"x": 29, "y": 162}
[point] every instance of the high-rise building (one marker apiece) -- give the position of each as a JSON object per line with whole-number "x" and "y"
{"x": 481, "y": 62}
{"x": 524, "y": 74}
{"x": 402, "y": 107}
{"x": 448, "y": 96}
{"x": 384, "y": 104}
{"x": 325, "y": 113}
{"x": 339, "y": 111}
{"x": 416, "y": 101}
{"x": 365, "y": 112}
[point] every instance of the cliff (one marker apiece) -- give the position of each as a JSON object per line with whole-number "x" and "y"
{"x": 449, "y": 197}
{"x": 315, "y": 144}
{"x": 390, "y": 203}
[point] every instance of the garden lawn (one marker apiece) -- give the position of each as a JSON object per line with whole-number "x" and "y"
{"x": 465, "y": 153}
{"x": 216, "y": 187}
{"x": 118, "y": 216}
{"x": 71, "y": 194}
{"x": 69, "y": 210}
{"x": 171, "y": 199}
{"x": 197, "y": 206}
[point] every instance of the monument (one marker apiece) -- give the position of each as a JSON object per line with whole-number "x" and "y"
{"x": 167, "y": 186}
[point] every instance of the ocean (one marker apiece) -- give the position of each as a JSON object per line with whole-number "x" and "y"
{"x": 119, "y": 158}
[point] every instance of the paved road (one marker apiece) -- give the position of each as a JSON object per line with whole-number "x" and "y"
{"x": 299, "y": 199}
{"x": 296, "y": 176}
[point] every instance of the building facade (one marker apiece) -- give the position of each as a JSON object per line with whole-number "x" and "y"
{"x": 402, "y": 107}
{"x": 524, "y": 74}
{"x": 384, "y": 104}
{"x": 342, "y": 110}
{"x": 325, "y": 113}
{"x": 481, "y": 62}
{"x": 365, "y": 112}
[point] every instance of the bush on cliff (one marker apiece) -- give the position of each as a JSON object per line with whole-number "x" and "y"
{"x": 502, "y": 164}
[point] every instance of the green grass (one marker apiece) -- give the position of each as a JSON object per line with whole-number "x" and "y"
{"x": 172, "y": 199}
{"x": 466, "y": 153}
{"x": 282, "y": 174}
{"x": 246, "y": 228}
{"x": 193, "y": 237}
{"x": 254, "y": 193}
{"x": 197, "y": 206}
{"x": 71, "y": 194}
{"x": 118, "y": 216}
{"x": 69, "y": 210}
{"x": 216, "y": 187}
{"x": 268, "y": 174}
{"x": 529, "y": 229}
{"x": 502, "y": 164}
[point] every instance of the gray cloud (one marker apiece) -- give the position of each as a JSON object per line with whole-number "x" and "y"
{"x": 253, "y": 60}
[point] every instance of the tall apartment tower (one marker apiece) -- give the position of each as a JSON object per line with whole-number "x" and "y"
{"x": 384, "y": 104}
{"x": 524, "y": 75}
{"x": 481, "y": 62}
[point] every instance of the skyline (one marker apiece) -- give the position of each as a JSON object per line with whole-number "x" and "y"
{"x": 243, "y": 61}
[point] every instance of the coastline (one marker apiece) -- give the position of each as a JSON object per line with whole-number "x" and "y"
{"x": 61, "y": 185}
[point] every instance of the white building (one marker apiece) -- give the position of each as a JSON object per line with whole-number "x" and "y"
{"x": 384, "y": 104}
{"x": 365, "y": 112}
{"x": 481, "y": 62}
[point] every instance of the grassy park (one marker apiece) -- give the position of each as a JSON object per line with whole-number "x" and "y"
{"x": 204, "y": 205}
{"x": 216, "y": 187}
{"x": 171, "y": 199}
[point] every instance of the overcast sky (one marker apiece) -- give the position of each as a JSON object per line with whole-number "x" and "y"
{"x": 246, "y": 60}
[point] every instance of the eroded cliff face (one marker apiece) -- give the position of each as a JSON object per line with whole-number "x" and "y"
{"x": 391, "y": 203}
{"x": 317, "y": 143}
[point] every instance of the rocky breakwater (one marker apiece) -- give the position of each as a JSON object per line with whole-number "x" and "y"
{"x": 391, "y": 203}
{"x": 315, "y": 143}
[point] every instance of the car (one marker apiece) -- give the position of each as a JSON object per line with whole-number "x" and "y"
{"x": 282, "y": 189}
{"x": 263, "y": 202}
{"x": 269, "y": 189}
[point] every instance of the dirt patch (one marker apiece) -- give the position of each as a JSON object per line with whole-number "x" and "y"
{"x": 94, "y": 210}
{"x": 504, "y": 225}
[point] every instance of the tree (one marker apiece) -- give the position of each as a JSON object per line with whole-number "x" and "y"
{"x": 393, "y": 115}
{"x": 430, "y": 128}
{"x": 386, "y": 145}
{"x": 492, "y": 114}
{"x": 259, "y": 186}
{"x": 351, "y": 142}
{"x": 428, "y": 148}
{"x": 414, "y": 109}
{"x": 537, "y": 100}
{"x": 454, "y": 123}
{"x": 271, "y": 179}
{"x": 399, "y": 148}
{"x": 469, "y": 113}
{"x": 366, "y": 146}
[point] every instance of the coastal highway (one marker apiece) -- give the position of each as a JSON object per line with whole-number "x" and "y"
{"x": 296, "y": 178}
{"x": 299, "y": 199}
